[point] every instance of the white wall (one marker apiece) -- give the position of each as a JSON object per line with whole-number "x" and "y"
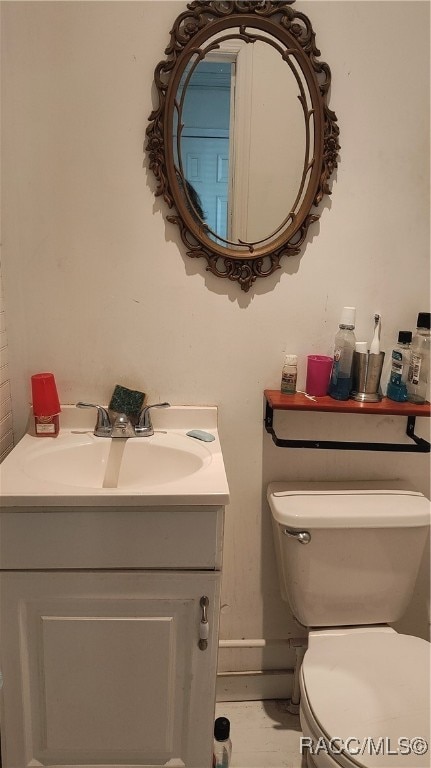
{"x": 6, "y": 431}
{"x": 99, "y": 290}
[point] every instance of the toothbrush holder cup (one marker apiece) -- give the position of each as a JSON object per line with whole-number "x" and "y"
{"x": 366, "y": 373}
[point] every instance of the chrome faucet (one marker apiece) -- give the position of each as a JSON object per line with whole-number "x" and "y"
{"x": 144, "y": 427}
{"x": 122, "y": 426}
{"x": 103, "y": 426}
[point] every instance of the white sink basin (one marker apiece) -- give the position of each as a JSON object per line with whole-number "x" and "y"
{"x": 95, "y": 462}
{"x": 162, "y": 458}
{"x": 78, "y": 461}
{"x": 168, "y": 467}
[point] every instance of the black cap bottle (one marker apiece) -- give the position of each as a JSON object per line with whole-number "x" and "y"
{"x": 222, "y": 744}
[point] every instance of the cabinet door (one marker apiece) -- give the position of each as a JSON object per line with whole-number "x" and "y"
{"x": 105, "y": 668}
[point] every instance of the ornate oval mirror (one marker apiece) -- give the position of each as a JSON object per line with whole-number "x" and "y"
{"x": 242, "y": 142}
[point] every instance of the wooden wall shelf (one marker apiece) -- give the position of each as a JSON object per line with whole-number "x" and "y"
{"x": 275, "y": 400}
{"x": 386, "y": 407}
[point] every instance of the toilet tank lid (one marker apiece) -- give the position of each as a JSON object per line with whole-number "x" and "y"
{"x": 348, "y": 505}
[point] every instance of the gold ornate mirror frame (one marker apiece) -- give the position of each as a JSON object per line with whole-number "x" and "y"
{"x": 293, "y": 36}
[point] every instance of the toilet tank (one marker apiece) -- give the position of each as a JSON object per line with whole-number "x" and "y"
{"x": 363, "y": 555}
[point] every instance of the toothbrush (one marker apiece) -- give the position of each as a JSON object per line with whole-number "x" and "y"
{"x": 375, "y": 344}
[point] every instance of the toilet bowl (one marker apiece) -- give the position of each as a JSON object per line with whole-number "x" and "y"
{"x": 365, "y": 699}
{"x": 348, "y": 560}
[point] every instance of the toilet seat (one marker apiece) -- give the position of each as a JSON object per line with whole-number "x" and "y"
{"x": 367, "y": 683}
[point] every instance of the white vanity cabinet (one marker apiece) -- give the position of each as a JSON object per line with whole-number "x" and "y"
{"x": 101, "y": 618}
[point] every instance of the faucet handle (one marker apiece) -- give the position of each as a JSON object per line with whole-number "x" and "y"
{"x": 103, "y": 426}
{"x": 144, "y": 426}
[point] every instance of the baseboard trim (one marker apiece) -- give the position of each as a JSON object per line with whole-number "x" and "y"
{"x": 254, "y": 685}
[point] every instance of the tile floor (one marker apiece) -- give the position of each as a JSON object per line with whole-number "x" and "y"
{"x": 264, "y": 734}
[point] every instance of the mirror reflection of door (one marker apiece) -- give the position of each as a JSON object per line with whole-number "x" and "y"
{"x": 205, "y": 140}
{"x": 245, "y": 151}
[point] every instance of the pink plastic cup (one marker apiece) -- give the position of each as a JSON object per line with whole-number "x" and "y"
{"x": 319, "y": 369}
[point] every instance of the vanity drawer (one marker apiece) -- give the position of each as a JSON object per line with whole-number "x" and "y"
{"x": 145, "y": 537}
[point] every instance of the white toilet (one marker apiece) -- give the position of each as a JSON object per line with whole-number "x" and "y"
{"x": 348, "y": 557}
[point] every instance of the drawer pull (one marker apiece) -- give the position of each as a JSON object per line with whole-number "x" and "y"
{"x": 204, "y": 626}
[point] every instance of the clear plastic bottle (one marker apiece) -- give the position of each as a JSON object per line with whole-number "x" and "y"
{"x": 418, "y": 378}
{"x": 341, "y": 377}
{"x": 397, "y": 384}
{"x": 222, "y": 744}
{"x": 289, "y": 375}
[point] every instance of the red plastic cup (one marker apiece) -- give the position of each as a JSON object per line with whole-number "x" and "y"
{"x": 319, "y": 369}
{"x": 44, "y": 395}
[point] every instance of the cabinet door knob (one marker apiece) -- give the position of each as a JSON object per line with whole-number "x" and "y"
{"x": 203, "y": 626}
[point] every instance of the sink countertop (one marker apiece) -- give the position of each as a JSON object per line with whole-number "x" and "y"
{"x": 22, "y": 485}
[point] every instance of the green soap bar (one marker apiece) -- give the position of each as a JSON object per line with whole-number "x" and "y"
{"x": 199, "y": 434}
{"x": 128, "y": 401}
